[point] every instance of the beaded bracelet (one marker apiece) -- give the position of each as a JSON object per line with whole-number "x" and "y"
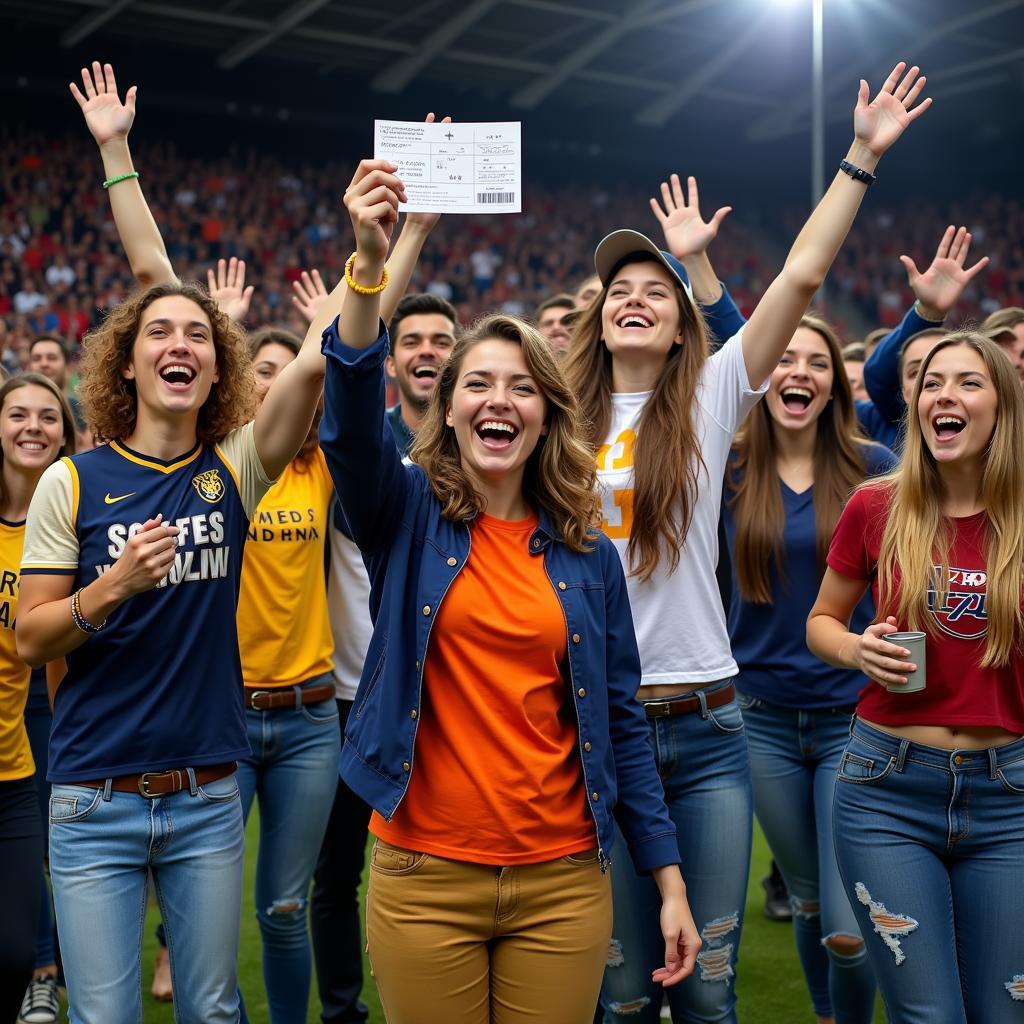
{"x": 79, "y": 619}
{"x": 362, "y": 289}
{"x": 120, "y": 177}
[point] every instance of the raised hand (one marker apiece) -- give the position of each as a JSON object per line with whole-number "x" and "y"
{"x": 310, "y": 294}
{"x": 687, "y": 234}
{"x": 426, "y": 221}
{"x": 941, "y": 285}
{"x": 228, "y": 288}
{"x": 372, "y": 199}
{"x": 106, "y": 117}
{"x": 880, "y": 122}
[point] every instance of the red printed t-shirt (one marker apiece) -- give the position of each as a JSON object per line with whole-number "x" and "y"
{"x": 959, "y": 690}
{"x": 497, "y": 778}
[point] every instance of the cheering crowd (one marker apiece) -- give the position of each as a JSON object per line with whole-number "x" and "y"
{"x": 615, "y": 573}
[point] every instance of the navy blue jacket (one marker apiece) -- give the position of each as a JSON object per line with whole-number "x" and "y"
{"x": 413, "y": 554}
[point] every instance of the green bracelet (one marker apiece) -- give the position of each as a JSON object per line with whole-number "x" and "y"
{"x": 120, "y": 177}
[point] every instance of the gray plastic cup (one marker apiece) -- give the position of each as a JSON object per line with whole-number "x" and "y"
{"x": 913, "y": 642}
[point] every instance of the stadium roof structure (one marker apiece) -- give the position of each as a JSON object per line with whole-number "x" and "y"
{"x": 742, "y": 65}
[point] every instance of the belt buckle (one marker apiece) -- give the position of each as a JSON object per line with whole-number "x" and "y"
{"x": 254, "y": 695}
{"x": 658, "y": 709}
{"x": 144, "y": 785}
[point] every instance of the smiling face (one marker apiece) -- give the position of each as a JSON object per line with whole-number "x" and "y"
{"x": 641, "y": 315}
{"x": 47, "y": 357}
{"x": 957, "y": 405}
{"x": 269, "y": 361}
{"x": 497, "y": 411}
{"x": 801, "y": 384}
{"x": 421, "y": 344}
{"x": 174, "y": 360}
{"x": 31, "y": 429}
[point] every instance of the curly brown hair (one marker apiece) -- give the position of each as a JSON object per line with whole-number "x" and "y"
{"x": 560, "y": 474}
{"x": 109, "y": 400}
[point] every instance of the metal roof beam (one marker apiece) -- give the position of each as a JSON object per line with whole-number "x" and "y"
{"x": 782, "y": 121}
{"x": 659, "y": 111}
{"x": 283, "y": 23}
{"x": 85, "y": 28}
{"x": 398, "y": 76}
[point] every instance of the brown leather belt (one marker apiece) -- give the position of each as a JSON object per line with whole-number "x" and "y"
{"x": 687, "y": 705}
{"x": 287, "y": 696}
{"x": 174, "y": 780}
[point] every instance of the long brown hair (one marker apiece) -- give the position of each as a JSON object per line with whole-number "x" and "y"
{"x": 291, "y": 341}
{"x": 14, "y": 384}
{"x": 917, "y": 535}
{"x": 109, "y": 400}
{"x": 560, "y": 474}
{"x": 667, "y": 461}
{"x": 752, "y": 482}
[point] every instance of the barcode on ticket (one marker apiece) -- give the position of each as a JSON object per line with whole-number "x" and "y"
{"x": 495, "y": 197}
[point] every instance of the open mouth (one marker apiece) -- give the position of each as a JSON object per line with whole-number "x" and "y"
{"x": 425, "y": 373}
{"x": 178, "y": 375}
{"x": 496, "y": 434}
{"x": 796, "y": 400}
{"x": 635, "y": 320}
{"x": 947, "y": 427}
{"x": 32, "y": 446}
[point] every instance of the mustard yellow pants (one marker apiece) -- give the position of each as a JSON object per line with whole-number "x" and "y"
{"x": 457, "y": 943}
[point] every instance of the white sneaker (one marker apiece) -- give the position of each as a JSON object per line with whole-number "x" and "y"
{"x": 42, "y": 1002}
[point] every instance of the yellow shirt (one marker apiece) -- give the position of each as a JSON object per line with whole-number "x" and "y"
{"x": 284, "y": 636}
{"x": 15, "y": 754}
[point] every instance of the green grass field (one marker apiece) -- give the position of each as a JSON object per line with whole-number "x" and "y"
{"x": 771, "y": 986}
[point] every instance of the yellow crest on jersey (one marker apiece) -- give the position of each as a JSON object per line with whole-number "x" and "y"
{"x": 209, "y": 486}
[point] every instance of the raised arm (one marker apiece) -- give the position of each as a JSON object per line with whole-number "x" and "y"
{"x": 936, "y": 292}
{"x": 877, "y": 125}
{"x": 109, "y": 121}
{"x": 687, "y": 237}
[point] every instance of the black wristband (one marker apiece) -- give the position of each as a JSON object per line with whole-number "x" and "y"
{"x": 857, "y": 173}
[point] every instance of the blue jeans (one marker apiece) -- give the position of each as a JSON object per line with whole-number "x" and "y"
{"x": 102, "y": 846}
{"x": 293, "y": 770}
{"x": 794, "y": 757}
{"x": 931, "y": 847}
{"x": 705, "y": 770}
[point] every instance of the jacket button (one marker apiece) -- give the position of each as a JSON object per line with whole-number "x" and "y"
{"x": 582, "y": 692}
{"x": 561, "y": 585}
{"x": 406, "y": 766}
{"x": 536, "y": 542}
{"x": 417, "y": 664}
{"x": 575, "y": 638}
{"x": 453, "y": 561}
{"x": 426, "y": 609}
{"x": 594, "y": 795}
{"x": 587, "y": 747}
{"x": 413, "y": 713}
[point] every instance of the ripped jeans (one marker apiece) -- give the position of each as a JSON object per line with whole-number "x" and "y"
{"x": 705, "y": 770}
{"x": 930, "y": 845}
{"x": 794, "y": 757}
{"x": 293, "y": 771}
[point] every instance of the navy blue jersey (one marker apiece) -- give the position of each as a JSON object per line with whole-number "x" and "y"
{"x": 160, "y": 686}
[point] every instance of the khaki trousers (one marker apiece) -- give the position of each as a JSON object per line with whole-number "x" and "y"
{"x": 457, "y": 943}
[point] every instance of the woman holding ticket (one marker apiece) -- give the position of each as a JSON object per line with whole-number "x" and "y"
{"x": 663, "y": 414}
{"x": 495, "y": 729}
{"x": 929, "y": 829}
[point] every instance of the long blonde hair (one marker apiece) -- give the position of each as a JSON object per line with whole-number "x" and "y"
{"x": 667, "y": 460}
{"x": 917, "y": 535}
{"x": 560, "y": 474}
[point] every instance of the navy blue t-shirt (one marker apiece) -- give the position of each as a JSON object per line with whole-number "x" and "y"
{"x": 768, "y": 640}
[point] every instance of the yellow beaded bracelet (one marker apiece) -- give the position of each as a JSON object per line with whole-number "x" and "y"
{"x": 362, "y": 289}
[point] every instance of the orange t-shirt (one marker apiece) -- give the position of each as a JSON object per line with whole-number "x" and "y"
{"x": 497, "y": 778}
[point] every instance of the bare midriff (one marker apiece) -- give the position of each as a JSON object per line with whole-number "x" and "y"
{"x": 949, "y": 737}
{"x": 665, "y": 690}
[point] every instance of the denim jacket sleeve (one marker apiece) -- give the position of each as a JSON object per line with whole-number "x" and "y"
{"x": 640, "y": 810}
{"x": 370, "y": 480}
